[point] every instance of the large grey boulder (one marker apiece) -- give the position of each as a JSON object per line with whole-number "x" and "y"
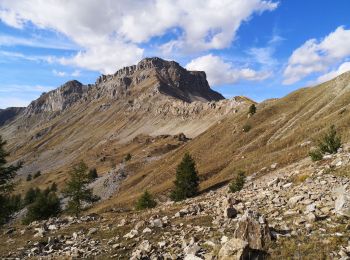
{"x": 342, "y": 203}
{"x": 253, "y": 228}
{"x": 234, "y": 249}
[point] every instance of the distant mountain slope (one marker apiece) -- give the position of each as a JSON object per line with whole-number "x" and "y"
{"x": 74, "y": 122}
{"x": 8, "y": 114}
{"x": 282, "y": 131}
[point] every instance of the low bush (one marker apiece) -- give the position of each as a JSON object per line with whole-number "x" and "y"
{"x": 238, "y": 182}
{"x": 146, "y": 201}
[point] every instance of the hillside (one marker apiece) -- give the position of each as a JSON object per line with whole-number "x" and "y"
{"x": 282, "y": 132}
{"x": 99, "y": 123}
{"x": 157, "y": 111}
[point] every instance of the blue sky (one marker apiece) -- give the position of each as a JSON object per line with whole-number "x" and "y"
{"x": 256, "y": 48}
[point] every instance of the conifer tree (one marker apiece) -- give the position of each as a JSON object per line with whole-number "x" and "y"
{"x": 77, "y": 188}
{"x": 146, "y": 201}
{"x": 187, "y": 181}
{"x": 7, "y": 174}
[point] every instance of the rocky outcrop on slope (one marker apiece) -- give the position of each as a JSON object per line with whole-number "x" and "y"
{"x": 283, "y": 206}
{"x": 166, "y": 77}
{"x": 9, "y": 114}
{"x": 59, "y": 99}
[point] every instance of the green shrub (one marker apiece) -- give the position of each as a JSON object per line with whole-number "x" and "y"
{"x": 146, "y": 201}
{"x": 128, "y": 157}
{"x": 187, "y": 181}
{"x": 43, "y": 207}
{"x": 252, "y": 109}
{"x": 238, "y": 182}
{"x": 316, "y": 155}
{"x": 93, "y": 174}
{"x": 246, "y": 128}
{"x": 37, "y": 174}
{"x": 331, "y": 141}
{"x": 53, "y": 187}
{"x": 29, "y": 177}
{"x": 31, "y": 195}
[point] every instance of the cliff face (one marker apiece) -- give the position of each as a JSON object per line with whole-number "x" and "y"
{"x": 154, "y": 75}
{"x": 58, "y": 99}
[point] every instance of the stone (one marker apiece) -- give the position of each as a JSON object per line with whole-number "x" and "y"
{"x": 253, "y": 228}
{"x": 192, "y": 249}
{"x": 52, "y": 227}
{"x": 311, "y": 207}
{"x": 192, "y": 257}
{"x": 342, "y": 203}
{"x": 293, "y": 200}
{"x": 131, "y": 234}
{"x": 92, "y": 231}
{"x": 234, "y": 249}
{"x": 156, "y": 223}
{"x": 147, "y": 230}
{"x": 230, "y": 212}
{"x": 311, "y": 217}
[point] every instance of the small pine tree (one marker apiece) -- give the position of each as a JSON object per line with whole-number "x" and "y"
{"x": 37, "y": 174}
{"x": 187, "y": 181}
{"x": 331, "y": 141}
{"x": 93, "y": 174}
{"x": 53, "y": 187}
{"x": 43, "y": 207}
{"x": 252, "y": 109}
{"x": 128, "y": 157}
{"x": 29, "y": 177}
{"x": 146, "y": 201}
{"x": 7, "y": 174}
{"x": 30, "y": 196}
{"x": 77, "y": 188}
{"x": 238, "y": 182}
{"x": 246, "y": 128}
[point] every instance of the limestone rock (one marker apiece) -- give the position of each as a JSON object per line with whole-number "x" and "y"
{"x": 253, "y": 228}
{"x": 234, "y": 249}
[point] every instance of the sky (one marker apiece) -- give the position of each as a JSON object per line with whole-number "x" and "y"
{"x": 256, "y": 48}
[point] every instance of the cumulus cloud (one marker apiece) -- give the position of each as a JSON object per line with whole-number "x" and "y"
{"x": 75, "y": 73}
{"x": 344, "y": 67}
{"x": 220, "y": 72}
{"x": 111, "y": 33}
{"x": 317, "y": 56}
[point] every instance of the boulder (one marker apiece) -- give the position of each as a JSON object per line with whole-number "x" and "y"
{"x": 234, "y": 249}
{"x": 253, "y": 228}
{"x": 229, "y": 210}
{"x": 342, "y": 203}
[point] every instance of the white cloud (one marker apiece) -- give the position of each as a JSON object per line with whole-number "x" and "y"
{"x": 111, "y": 32}
{"x": 344, "y": 67}
{"x": 220, "y": 72}
{"x": 318, "y": 56}
{"x": 75, "y": 73}
{"x": 19, "y": 55}
{"x": 38, "y": 42}
{"x": 59, "y": 73}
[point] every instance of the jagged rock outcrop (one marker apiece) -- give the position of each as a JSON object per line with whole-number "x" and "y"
{"x": 9, "y": 114}
{"x": 166, "y": 77}
{"x": 58, "y": 99}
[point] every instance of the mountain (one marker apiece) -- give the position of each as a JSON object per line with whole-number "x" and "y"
{"x": 121, "y": 113}
{"x": 8, "y": 114}
{"x": 135, "y": 126}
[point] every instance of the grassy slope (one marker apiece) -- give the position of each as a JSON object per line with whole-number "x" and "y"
{"x": 278, "y": 130}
